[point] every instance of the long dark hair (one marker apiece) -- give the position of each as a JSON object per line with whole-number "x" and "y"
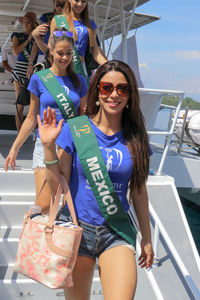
{"x": 70, "y": 68}
{"x": 85, "y": 19}
{"x": 132, "y": 122}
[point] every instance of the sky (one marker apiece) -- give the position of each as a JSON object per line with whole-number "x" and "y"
{"x": 169, "y": 49}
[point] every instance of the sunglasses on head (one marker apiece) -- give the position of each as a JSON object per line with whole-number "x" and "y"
{"x": 106, "y": 88}
{"x": 83, "y": 1}
{"x": 60, "y": 4}
{"x": 59, "y": 33}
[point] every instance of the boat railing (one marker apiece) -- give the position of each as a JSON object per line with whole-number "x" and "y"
{"x": 171, "y": 127}
{"x": 159, "y": 229}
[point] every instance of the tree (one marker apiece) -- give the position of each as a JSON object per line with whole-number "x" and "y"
{"x": 187, "y": 102}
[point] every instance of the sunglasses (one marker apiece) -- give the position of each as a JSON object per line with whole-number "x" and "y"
{"x": 83, "y": 1}
{"x": 106, "y": 88}
{"x": 59, "y": 33}
{"x": 60, "y": 4}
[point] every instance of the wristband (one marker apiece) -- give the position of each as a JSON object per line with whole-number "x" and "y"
{"x": 30, "y": 63}
{"x": 50, "y": 163}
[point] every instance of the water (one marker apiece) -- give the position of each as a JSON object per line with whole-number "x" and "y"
{"x": 192, "y": 210}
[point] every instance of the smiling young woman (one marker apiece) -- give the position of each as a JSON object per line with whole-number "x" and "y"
{"x": 120, "y": 139}
{"x": 76, "y": 19}
{"x": 72, "y": 85}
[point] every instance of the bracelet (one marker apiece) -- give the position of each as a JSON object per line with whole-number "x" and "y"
{"x": 50, "y": 163}
{"x": 30, "y": 63}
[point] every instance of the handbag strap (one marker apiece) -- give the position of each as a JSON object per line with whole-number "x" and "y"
{"x": 97, "y": 175}
{"x": 64, "y": 102}
{"x": 61, "y": 21}
{"x": 63, "y": 187}
{"x": 54, "y": 204}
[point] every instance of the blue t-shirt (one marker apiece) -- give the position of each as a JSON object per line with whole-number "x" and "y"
{"x": 47, "y": 17}
{"x": 83, "y": 36}
{"x": 37, "y": 88}
{"x": 21, "y": 38}
{"x": 119, "y": 164}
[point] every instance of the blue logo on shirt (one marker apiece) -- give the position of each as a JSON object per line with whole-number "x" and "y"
{"x": 113, "y": 155}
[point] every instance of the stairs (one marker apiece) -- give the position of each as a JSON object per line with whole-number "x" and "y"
{"x": 16, "y": 197}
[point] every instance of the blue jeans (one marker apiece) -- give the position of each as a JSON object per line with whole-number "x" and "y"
{"x": 95, "y": 239}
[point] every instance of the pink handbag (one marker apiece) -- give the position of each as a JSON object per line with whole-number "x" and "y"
{"x": 46, "y": 252}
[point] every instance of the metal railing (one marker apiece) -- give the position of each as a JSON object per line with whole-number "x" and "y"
{"x": 159, "y": 228}
{"x": 168, "y": 133}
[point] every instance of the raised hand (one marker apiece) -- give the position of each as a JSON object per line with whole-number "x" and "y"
{"x": 48, "y": 131}
{"x": 40, "y": 30}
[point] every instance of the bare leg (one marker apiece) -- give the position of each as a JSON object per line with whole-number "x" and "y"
{"x": 118, "y": 273}
{"x": 19, "y": 116}
{"x": 82, "y": 277}
{"x": 20, "y": 108}
{"x": 44, "y": 199}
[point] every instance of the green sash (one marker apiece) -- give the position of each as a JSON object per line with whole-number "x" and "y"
{"x": 95, "y": 171}
{"x": 64, "y": 102}
{"x": 61, "y": 21}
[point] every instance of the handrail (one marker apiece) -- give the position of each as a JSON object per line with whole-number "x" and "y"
{"x": 170, "y": 132}
{"x": 149, "y": 272}
{"x": 159, "y": 229}
{"x": 191, "y": 284}
{"x": 158, "y": 225}
{"x": 158, "y": 91}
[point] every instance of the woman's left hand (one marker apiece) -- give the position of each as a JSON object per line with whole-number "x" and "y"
{"x": 147, "y": 255}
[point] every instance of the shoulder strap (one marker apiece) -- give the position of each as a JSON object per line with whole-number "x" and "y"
{"x": 95, "y": 171}
{"x": 64, "y": 102}
{"x": 61, "y": 21}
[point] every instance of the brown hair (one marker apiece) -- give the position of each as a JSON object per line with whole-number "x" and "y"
{"x": 70, "y": 68}
{"x": 84, "y": 18}
{"x": 132, "y": 122}
{"x": 31, "y": 16}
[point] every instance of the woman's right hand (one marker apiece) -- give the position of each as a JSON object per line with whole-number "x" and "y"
{"x": 11, "y": 159}
{"x": 48, "y": 131}
{"x": 40, "y": 30}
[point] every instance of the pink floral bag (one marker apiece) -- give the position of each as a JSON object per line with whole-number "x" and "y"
{"x": 47, "y": 252}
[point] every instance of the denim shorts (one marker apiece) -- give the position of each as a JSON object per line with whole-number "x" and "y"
{"x": 95, "y": 239}
{"x": 38, "y": 155}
